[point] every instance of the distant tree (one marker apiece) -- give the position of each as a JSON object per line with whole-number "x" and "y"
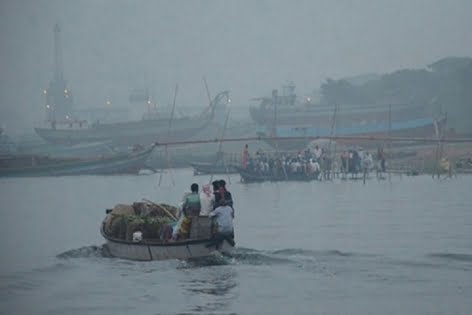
{"x": 445, "y": 84}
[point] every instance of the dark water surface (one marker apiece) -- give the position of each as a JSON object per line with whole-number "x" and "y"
{"x": 402, "y": 246}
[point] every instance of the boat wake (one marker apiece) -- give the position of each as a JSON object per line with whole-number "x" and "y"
{"x": 297, "y": 257}
{"x": 86, "y": 252}
{"x": 240, "y": 255}
{"x": 452, "y": 256}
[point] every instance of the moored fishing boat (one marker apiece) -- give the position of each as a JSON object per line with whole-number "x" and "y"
{"x": 137, "y": 232}
{"x": 221, "y": 165}
{"x": 27, "y": 165}
{"x": 202, "y": 168}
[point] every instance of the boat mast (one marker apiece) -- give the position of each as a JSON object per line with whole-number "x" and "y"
{"x": 167, "y": 157}
{"x": 58, "y": 97}
{"x": 58, "y": 70}
{"x": 220, "y": 147}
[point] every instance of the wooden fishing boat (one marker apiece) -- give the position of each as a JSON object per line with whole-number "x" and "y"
{"x": 202, "y": 168}
{"x": 151, "y": 246}
{"x": 34, "y": 165}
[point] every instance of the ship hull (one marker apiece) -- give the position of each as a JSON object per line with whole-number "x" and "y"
{"x": 33, "y": 166}
{"x": 304, "y": 135}
{"x": 130, "y": 133}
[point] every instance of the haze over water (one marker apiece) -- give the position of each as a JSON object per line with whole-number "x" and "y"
{"x": 399, "y": 246}
{"x": 248, "y": 47}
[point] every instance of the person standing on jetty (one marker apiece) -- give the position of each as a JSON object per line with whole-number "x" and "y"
{"x": 381, "y": 159}
{"x": 245, "y": 157}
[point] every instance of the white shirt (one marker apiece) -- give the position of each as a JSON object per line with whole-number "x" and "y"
{"x": 206, "y": 203}
{"x": 315, "y": 166}
{"x": 224, "y": 218}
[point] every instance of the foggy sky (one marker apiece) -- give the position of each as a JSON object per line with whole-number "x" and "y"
{"x": 248, "y": 47}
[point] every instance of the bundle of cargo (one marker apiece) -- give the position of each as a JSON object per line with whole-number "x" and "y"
{"x": 145, "y": 217}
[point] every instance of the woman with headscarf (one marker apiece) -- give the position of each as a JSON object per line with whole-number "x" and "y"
{"x": 207, "y": 200}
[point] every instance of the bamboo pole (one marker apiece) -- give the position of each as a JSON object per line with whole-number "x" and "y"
{"x": 168, "y": 135}
{"x": 161, "y": 207}
{"x": 339, "y": 138}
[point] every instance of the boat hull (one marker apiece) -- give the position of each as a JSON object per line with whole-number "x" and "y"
{"x": 157, "y": 250}
{"x": 305, "y": 135}
{"x": 175, "y": 250}
{"x": 211, "y": 168}
{"x": 129, "y": 133}
{"x": 120, "y": 164}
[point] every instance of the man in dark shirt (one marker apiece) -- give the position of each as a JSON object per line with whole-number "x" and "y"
{"x": 224, "y": 195}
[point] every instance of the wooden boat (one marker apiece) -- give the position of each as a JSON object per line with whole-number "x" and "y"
{"x": 202, "y": 168}
{"x": 199, "y": 244}
{"x": 34, "y": 165}
{"x": 153, "y": 127}
{"x": 248, "y": 176}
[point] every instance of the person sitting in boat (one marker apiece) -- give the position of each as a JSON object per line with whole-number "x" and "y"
{"x": 223, "y": 215}
{"x": 207, "y": 200}
{"x": 191, "y": 206}
{"x": 181, "y": 229}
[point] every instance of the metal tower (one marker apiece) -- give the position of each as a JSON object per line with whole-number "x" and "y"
{"x": 59, "y": 99}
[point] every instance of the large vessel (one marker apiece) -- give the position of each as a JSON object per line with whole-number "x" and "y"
{"x": 141, "y": 132}
{"x": 284, "y": 115}
{"x": 63, "y": 126}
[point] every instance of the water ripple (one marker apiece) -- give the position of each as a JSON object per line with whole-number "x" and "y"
{"x": 452, "y": 256}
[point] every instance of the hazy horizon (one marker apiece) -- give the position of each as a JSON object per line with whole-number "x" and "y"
{"x": 248, "y": 47}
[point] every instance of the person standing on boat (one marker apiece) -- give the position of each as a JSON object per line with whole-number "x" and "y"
{"x": 192, "y": 206}
{"x": 223, "y": 195}
{"x": 224, "y": 220}
{"x": 207, "y": 200}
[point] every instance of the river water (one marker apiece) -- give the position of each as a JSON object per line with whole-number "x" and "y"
{"x": 396, "y": 246}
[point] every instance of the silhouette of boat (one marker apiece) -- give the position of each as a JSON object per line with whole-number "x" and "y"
{"x": 27, "y": 165}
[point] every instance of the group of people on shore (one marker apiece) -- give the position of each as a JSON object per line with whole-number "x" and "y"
{"x": 217, "y": 204}
{"x": 316, "y": 163}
